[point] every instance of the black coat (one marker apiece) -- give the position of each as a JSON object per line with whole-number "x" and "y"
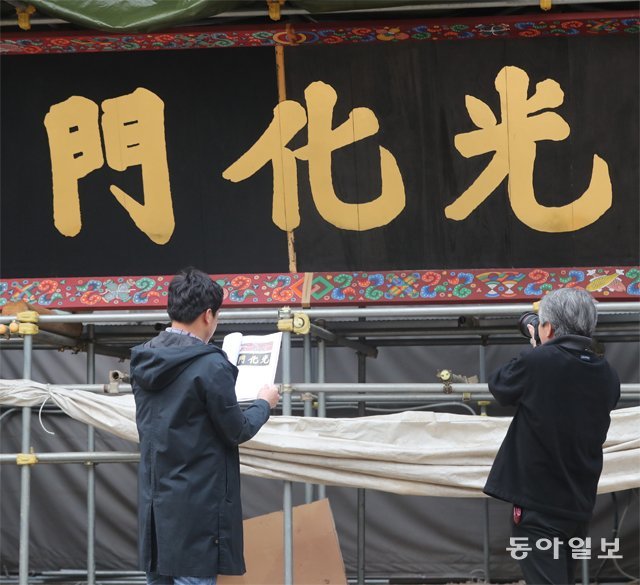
{"x": 551, "y": 458}
{"x": 190, "y": 425}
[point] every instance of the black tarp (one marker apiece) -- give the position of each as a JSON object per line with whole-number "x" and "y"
{"x": 434, "y": 538}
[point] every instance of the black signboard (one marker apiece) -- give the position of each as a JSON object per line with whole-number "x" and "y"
{"x": 382, "y": 155}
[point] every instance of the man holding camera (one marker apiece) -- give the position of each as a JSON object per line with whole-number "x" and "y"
{"x": 550, "y": 461}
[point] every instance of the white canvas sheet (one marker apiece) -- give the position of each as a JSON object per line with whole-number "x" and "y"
{"x": 412, "y": 453}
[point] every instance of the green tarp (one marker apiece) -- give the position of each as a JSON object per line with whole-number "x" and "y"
{"x": 132, "y": 15}
{"x": 150, "y": 15}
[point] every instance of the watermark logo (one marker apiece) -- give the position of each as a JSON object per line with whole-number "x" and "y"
{"x": 580, "y": 547}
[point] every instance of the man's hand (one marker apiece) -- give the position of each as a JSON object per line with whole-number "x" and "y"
{"x": 269, "y": 392}
{"x": 532, "y": 335}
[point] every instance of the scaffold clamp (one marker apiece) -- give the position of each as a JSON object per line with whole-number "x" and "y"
{"x": 298, "y": 323}
{"x": 28, "y": 329}
{"x": 28, "y": 317}
{"x": 483, "y": 406}
{"x": 26, "y": 458}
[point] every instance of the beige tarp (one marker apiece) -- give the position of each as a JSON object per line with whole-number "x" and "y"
{"x": 413, "y": 453}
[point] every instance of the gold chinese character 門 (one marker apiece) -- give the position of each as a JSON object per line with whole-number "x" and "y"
{"x": 289, "y": 117}
{"x": 133, "y": 128}
{"x": 514, "y": 142}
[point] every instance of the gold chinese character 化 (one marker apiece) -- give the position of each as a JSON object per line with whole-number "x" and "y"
{"x": 133, "y": 127}
{"x": 289, "y": 117}
{"x": 514, "y": 142}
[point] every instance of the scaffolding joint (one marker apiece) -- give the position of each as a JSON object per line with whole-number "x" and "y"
{"x": 483, "y": 406}
{"x": 298, "y": 323}
{"x": 26, "y": 458}
{"x": 28, "y": 329}
{"x": 28, "y": 317}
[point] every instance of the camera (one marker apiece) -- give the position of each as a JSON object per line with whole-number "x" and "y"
{"x": 529, "y": 318}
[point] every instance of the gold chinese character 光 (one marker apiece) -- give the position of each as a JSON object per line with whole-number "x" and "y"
{"x": 133, "y": 128}
{"x": 289, "y": 117}
{"x": 514, "y": 142}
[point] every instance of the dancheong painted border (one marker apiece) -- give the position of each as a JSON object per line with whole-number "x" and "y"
{"x": 525, "y": 27}
{"x": 609, "y": 283}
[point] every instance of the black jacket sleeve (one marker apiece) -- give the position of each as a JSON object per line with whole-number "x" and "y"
{"x": 508, "y": 383}
{"x": 232, "y": 424}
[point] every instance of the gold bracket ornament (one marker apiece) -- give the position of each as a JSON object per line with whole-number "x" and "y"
{"x": 299, "y": 323}
{"x": 545, "y": 5}
{"x": 24, "y": 16}
{"x": 274, "y": 9}
{"x": 26, "y": 458}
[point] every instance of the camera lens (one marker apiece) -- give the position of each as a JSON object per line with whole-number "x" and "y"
{"x": 529, "y": 318}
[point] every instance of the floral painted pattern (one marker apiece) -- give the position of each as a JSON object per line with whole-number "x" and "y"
{"x": 332, "y": 288}
{"x": 305, "y": 34}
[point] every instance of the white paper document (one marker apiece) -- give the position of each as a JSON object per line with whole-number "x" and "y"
{"x": 256, "y": 357}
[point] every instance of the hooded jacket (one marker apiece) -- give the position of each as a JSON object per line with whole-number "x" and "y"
{"x": 190, "y": 426}
{"x": 551, "y": 458}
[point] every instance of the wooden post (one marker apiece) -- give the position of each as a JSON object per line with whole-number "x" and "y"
{"x": 282, "y": 96}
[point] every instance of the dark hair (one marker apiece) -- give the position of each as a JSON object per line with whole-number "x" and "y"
{"x": 191, "y": 293}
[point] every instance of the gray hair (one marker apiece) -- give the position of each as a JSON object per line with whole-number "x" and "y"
{"x": 571, "y": 311}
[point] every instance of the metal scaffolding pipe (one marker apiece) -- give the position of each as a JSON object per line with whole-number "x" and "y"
{"x": 361, "y": 493}
{"x": 337, "y": 388}
{"x": 25, "y": 474}
{"x": 450, "y": 310}
{"x": 379, "y": 398}
{"x": 308, "y": 406}
{"x": 287, "y": 504}
{"x": 321, "y": 388}
{"x": 116, "y": 317}
{"x": 248, "y": 315}
{"x": 486, "y": 550}
{"x": 358, "y": 346}
{"x": 77, "y": 457}
{"x": 91, "y": 470}
{"x": 322, "y": 398}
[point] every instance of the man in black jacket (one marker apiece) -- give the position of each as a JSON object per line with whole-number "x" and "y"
{"x": 550, "y": 461}
{"x": 190, "y": 425}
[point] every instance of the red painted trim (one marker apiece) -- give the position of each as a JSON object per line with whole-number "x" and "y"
{"x": 606, "y": 283}
{"x": 523, "y": 26}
